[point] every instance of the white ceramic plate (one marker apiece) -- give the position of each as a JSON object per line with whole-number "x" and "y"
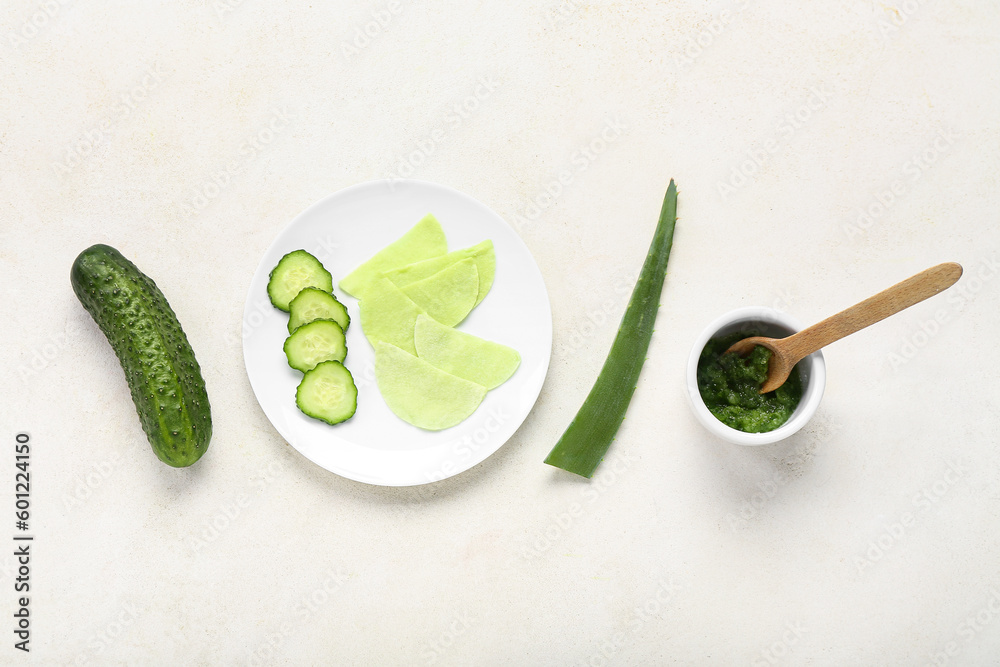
{"x": 375, "y": 446}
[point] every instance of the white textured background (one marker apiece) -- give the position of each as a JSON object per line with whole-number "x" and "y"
{"x": 870, "y": 538}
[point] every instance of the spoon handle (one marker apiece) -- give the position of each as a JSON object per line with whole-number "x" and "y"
{"x": 873, "y": 309}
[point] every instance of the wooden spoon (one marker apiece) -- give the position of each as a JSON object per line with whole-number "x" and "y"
{"x": 786, "y": 352}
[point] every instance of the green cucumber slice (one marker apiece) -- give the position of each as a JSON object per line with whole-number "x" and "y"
{"x": 470, "y": 357}
{"x": 294, "y": 272}
{"x": 314, "y": 343}
{"x": 421, "y": 394}
{"x": 328, "y": 393}
{"x": 449, "y": 294}
{"x": 424, "y": 240}
{"x": 315, "y": 304}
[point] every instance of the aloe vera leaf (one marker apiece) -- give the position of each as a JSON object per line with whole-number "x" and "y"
{"x": 588, "y": 437}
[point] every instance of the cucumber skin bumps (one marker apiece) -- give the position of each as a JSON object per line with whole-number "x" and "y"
{"x": 160, "y": 368}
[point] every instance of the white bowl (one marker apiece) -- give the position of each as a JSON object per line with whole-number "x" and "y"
{"x": 769, "y": 322}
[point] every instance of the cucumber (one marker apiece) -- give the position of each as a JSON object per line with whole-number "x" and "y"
{"x": 315, "y": 304}
{"x": 328, "y": 393}
{"x": 315, "y": 342}
{"x": 317, "y": 346}
{"x": 162, "y": 373}
{"x": 294, "y": 272}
